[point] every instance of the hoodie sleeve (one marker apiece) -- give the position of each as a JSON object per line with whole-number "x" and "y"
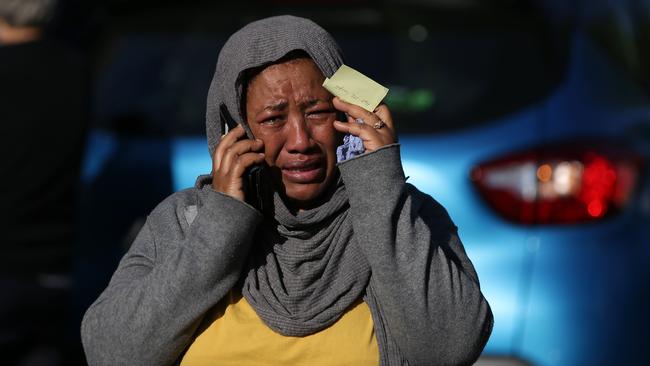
{"x": 178, "y": 267}
{"x": 425, "y": 284}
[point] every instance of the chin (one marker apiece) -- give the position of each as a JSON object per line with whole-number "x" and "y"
{"x": 305, "y": 194}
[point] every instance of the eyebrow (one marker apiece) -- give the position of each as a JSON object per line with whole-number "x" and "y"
{"x": 312, "y": 102}
{"x": 277, "y": 106}
{"x": 280, "y": 106}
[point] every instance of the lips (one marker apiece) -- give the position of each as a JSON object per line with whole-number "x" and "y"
{"x": 304, "y": 171}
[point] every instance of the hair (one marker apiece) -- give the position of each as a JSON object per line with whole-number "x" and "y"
{"x": 27, "y": 13}
{"x": 247, "y": 76}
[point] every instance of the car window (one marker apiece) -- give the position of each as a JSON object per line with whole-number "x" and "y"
{"x": 445, "y": 71}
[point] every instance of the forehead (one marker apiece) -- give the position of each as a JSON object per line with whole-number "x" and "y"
{"x": 295, "y": 75}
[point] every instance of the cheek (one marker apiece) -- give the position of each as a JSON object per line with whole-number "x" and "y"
{"x": 335, "y": 140}
{"x": 272, "y": 148}
{"x": 329, "y": 138}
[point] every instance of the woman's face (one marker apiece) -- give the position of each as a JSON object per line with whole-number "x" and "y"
{"x": 288, "y": 108}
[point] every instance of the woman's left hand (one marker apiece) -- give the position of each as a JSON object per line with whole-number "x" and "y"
{"x": 377, "y": 129}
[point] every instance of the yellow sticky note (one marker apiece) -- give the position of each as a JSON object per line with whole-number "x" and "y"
{"x": 356, "y": 88}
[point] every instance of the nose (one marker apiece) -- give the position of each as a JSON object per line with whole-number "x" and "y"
{"x": 298, "y": 138}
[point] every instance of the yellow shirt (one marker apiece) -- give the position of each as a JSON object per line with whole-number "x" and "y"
{"x": 237, "y": 336}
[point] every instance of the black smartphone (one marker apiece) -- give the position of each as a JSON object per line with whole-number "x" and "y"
{"x": 255, "y": 192}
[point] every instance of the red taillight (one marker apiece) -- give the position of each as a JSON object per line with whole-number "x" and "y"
{"x": 559, "y": 184}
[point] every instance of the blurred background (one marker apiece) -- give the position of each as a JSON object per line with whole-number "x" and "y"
{"x": 528, "y": 120}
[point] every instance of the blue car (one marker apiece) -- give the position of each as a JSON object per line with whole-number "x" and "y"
{"x": 536, "y": 142}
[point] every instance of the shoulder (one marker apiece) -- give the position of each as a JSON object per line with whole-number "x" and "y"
{"x": 172, "y": 217}
{"x": 180, "y": 207}
{"x": 429, "y": 208}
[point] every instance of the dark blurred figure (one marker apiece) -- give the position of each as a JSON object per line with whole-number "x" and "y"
{"x": 42, "y": 99}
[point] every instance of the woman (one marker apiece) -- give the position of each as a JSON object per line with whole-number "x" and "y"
{"x": 348, "y": 265}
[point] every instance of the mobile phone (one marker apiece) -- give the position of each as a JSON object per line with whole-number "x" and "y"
{"x": 255, "y": 192}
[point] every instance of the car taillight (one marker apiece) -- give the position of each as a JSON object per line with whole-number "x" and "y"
{"x": 560, "y": 184}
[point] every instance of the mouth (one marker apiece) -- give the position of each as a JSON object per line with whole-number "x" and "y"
{"x": 307, "y": 171}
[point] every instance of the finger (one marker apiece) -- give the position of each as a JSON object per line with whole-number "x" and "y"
{"x": 383, "y": 113}
{"x": 224, "y": 143}
{"x": 354, "y": 111}
{"x": 355, "y": 128}
{"x": 342, "y": 126}
{"x": 241, "y": 147}
{"x": 362, "y": 130}
{"x": 244, "y": 162}
{"x": 373, "y": 119}
{"x": 371, "y": 138}
{"x": 231, "y": 182}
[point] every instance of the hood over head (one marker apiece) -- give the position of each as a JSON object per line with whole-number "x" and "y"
{"x": 259, "y": 43}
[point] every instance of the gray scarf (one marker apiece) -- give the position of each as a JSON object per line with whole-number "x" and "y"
{"x": 305, "y": 269}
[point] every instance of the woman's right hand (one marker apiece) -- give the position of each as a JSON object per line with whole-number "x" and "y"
{"x": 234, "y": 154}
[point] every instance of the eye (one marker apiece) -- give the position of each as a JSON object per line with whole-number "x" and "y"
{"x": 321, "y": 113}
{"x": 272, "y": 120}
